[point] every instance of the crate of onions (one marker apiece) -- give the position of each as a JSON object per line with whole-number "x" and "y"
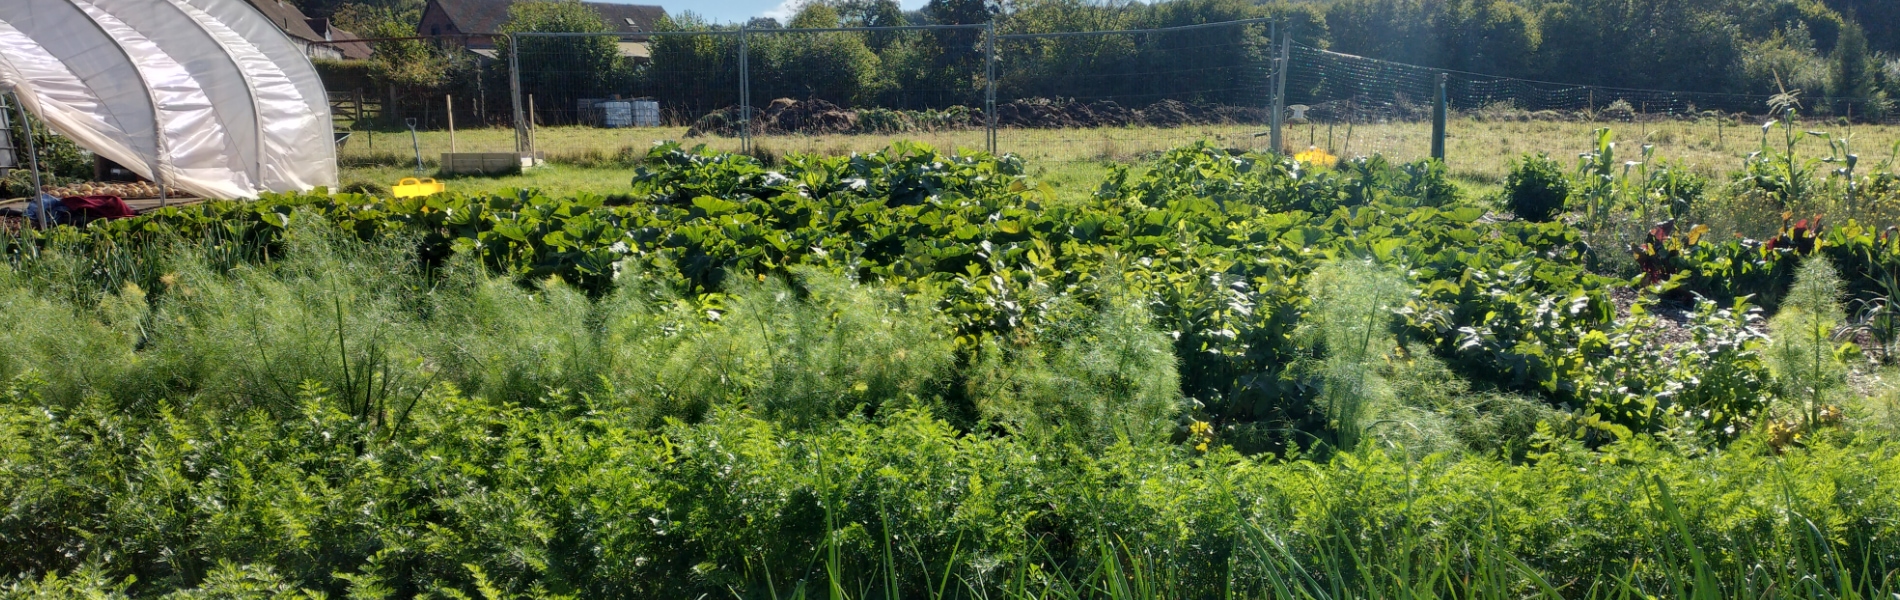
{"x": 131, "y": 190}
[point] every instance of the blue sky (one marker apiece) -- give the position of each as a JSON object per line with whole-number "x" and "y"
{"x": 733, "y": 11}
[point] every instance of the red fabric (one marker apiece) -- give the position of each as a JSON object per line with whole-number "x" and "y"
{"x": 98, "y": 207}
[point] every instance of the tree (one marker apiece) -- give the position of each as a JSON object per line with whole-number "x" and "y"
{"x": 1851, "y": 83}
{"x": 835, "y": 66}
{"x": 873, "y": 13}
{"x": 948, "y": 64}
{"x": 413, "y": 71}
{"x": 687, "y": 71}
{"x": 559, "y": 70}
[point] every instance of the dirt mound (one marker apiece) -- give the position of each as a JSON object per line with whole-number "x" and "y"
{"x": 1045, "y": 113}
{"x": 782, "y": 116}
{"x": 819, "y": 117}
{"x": 814, "y": 116}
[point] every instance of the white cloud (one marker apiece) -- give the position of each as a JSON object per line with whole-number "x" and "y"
{"x": 784, "y": 11}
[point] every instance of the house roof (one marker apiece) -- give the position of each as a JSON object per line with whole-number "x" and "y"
{"x": 487, "y": 16}
{"x": 475, "y": 16}
{"x": 351, "y": 49}
{"x": 628, "y": 18}
{"x": 287, "y": 17}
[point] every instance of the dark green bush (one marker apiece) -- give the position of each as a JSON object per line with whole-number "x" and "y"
{"x": 367, "y": 188}
{"x": 1536, "y": 188}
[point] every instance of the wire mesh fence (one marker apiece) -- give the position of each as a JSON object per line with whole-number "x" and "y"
{"x": 1111, "y": 95}
{"x": 1056, "y": 97}
{"x": 1059, "y": 97}
{"x": 1358, "y": 106}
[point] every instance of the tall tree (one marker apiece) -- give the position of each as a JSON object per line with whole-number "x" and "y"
{"x": 1851, "y": 82}
{"x": 951, "y": 61}
{"x": 560, "y": 70}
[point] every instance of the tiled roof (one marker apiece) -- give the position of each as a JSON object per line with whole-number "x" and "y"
{"x": 286, "y": 16}
{"x": 487, "y": 16}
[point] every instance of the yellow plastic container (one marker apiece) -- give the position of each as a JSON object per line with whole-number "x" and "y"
{"x": 411, "y": 187}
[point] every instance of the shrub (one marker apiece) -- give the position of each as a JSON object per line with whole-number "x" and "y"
{"x": 1536, "y": 188}
{"x": 367, "y": 188}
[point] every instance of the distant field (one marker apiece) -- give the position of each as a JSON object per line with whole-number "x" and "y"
{"x": 1478, "y": 152}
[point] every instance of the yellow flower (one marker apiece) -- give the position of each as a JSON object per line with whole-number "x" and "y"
{"x": 1204, "y": 431}
{"x": 1317, "y": 157}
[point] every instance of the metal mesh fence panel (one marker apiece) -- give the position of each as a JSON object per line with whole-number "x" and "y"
{"x": 1116, "y": 95}
{"x": 588, "y": 98}
{"x": 1067, "y": 97}
{"x": 836, "y": 91}
{"x": 1358, "y": 106}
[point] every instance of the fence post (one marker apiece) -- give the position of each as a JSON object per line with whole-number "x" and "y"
{"x": 989, "y": 80}
{"x": 33, "y": 162}
{"x": 1279, "y": 86}
{"x": 1438, "y": 120}
{"x": 1273, "y": 40}
{"x": 745, "y": 97}
{"x": 514, "y": 91}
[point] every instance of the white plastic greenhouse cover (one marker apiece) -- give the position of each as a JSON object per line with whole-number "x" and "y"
{"x": 206, "y": 96}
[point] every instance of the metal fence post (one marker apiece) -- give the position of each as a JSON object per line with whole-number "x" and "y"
{"x": 1279, "y": 86}
{"x": 989, "y": 79}
{"x": 745, "y": 97}
{"x": 33, "y": 163}
{"x": 514, "y": 91}
{"x": 1273, "y": 40}
{"x": 1438, "y": 119}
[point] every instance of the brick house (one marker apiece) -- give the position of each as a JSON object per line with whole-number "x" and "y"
{"x": 316, "y": 37}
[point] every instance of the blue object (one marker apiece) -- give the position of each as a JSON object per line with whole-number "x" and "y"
{"x": 55, "y": 210}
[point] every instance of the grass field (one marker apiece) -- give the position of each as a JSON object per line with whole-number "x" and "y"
{"x": 1477, "y": 151}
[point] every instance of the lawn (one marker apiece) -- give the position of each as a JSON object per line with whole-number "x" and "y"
{"x": 1478, "y": 151}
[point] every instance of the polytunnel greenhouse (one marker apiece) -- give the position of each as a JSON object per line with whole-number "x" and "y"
{"x": 205, "y": 96}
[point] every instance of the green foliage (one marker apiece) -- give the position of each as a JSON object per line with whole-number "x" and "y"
{"x": 61, "y": 160}
{"x": 570, "y": 67}
{"x": 408, "y": 63}
{"x": 1803, "y": 354}
{"x": 1486, "y": 36}
{"x": 1536, "y": 189}
{"x": 910, "y": 373}
{"x": 1706, "y": 384}
{"x": 1852, "y": 76}
{"x": 1227, "y": 240}
{"x": 1350, "y": 320}
{"x": 481, "y": 497}
{"x": 846, "y": 348}
{"x": 1103, "y": 378}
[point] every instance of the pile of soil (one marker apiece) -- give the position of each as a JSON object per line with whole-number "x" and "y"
{"x": 1042, "y": 113}
{"x": 782, "y": 116}
{"x": 818, "y": 117}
